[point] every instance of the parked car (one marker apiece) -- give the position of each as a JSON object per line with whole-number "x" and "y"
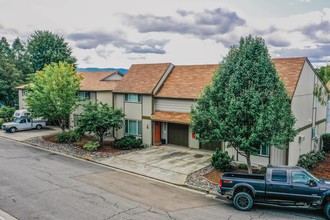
{"x": 23, "y": 124}
{"x": 281, "y": 185}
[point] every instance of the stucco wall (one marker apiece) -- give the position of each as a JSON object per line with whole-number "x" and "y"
{"x": 104, "y": 97}
{"x": 118, "y": 102}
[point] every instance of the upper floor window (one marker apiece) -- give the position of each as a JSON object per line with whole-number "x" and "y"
{"x": 84, "y": 95}
{"x": 132, "y": 98}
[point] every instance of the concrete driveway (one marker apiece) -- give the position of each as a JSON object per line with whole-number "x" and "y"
{"x": 23, "y": 135}
{"x": 167, "y": 163}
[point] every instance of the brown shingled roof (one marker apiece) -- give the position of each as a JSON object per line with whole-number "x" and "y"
{"x": 142, "y": 78}
{"x": 93, "y": 81}
{"x": 174, "y": 117}
{"x": 187, "y": 81}
{"x": 289, "y": 70}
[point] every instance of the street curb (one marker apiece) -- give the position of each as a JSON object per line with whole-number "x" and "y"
{"x": 183, "y": 186}
{"x": 6, "y": 216}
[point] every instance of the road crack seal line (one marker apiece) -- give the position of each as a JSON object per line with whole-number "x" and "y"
{"x": 122, "y": 212}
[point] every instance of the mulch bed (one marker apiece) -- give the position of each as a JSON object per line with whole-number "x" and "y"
{"x": 106, "y": 148}
{"x": 322, "y": 169}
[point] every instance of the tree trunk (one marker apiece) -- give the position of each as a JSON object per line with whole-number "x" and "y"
{"x": 101, "y": 140}
{"x": 248, "y": 160}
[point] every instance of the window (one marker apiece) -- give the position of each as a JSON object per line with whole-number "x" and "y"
{"x": 133, "y": 127}
{"x": 300, "y": 177}
{"x": 264, "y": 151}
{"x": 132, "y": 98}
{"x": 279, "y": 176}
{"x": 75, "y": 120}
{"x": 84, "y": 95}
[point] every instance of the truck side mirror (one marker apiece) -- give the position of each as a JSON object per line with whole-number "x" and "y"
{"x": 312, "y": 183}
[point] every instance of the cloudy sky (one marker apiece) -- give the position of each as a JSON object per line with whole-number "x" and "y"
{"x": 108, "y": 33}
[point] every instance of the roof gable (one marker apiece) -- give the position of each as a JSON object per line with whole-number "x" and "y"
{"x": 289, "y": 70}
{"x": 95, "y": 81}
{"x": 142, "y": 78}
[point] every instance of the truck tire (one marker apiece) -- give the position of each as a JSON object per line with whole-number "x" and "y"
{"x": 326, "y": 210}
{"x": 243, "y": 201}
{"x": 13, "y": 129}
{"x": 38, "y": 127}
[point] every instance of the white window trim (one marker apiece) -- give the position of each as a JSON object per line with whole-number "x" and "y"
{"x": 137, "y": 128}
{"x": 139, "y": 97}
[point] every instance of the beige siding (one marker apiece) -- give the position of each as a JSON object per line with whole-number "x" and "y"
{"x": 147, "y": 105}
{"x": 278, "y": 156}
{"x": 118, "y": 102}
{"x": 296, "y": 148}
{"x": 307, "y": 115}
{"x": 173, "y": 105}
{"x": 147, "y": 132}
{"x": 80, "y": 108}
{"x": 133, "y": 110}
{"x": 104, "y": 97}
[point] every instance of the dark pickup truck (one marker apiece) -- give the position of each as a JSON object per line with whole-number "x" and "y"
{"x": 280, "y": 185}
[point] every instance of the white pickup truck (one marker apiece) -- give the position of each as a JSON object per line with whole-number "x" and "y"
{"x": 23, "y": 124}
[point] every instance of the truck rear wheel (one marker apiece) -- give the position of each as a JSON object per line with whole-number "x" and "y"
{"x": 326, "y": 210}
{"x": 38, "y": 127}
{"x": 243, "y": 201}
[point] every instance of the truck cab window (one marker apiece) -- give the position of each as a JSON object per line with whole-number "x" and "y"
{"x": 22, "y": 121}
{"x": 300, "y": 177}
{"x": 279, "y": 176}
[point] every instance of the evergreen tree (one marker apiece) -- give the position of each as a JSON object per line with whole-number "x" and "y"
{"x": 45, "y": 47}
{"x": 246, "y": 105}
{"x": 21, "y": 58}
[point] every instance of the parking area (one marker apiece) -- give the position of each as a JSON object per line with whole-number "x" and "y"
{"x": 167, "y": 163}
{"x": 24, "y": 135}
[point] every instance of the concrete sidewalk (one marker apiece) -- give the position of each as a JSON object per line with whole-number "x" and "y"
{"x": 6, "y": 216}
{"x": 167, "y": 163}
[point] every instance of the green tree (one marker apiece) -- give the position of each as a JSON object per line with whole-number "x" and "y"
{"x": 21, "y": 58}
{"x": 324, "y": 73}
{"x": 45, "y": 47}
{"x": 246, "y": 105}
{"x": 99, "y": 118}
{"x": 7, "y": 113}
{"x": 10, "y": 77}
{"x": 52, "y": 93}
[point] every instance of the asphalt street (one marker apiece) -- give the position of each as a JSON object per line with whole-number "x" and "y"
{"x": 37, "y": 184}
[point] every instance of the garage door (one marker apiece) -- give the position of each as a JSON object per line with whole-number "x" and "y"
{"x": 178, "y": 134}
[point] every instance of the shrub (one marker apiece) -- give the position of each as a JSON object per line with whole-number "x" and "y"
{"x": 310, "y": 160}
{"x": 91, "y": 146}
{"x": 68, "y": 136}
{"x": 325, "y": 138}
{"x": 242, "y": 166}
{"x": 263, "y": 170}
{"x": 128, "y": 142}
{"x": 6, "y": 113}
{"x": 221, "y": 160}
